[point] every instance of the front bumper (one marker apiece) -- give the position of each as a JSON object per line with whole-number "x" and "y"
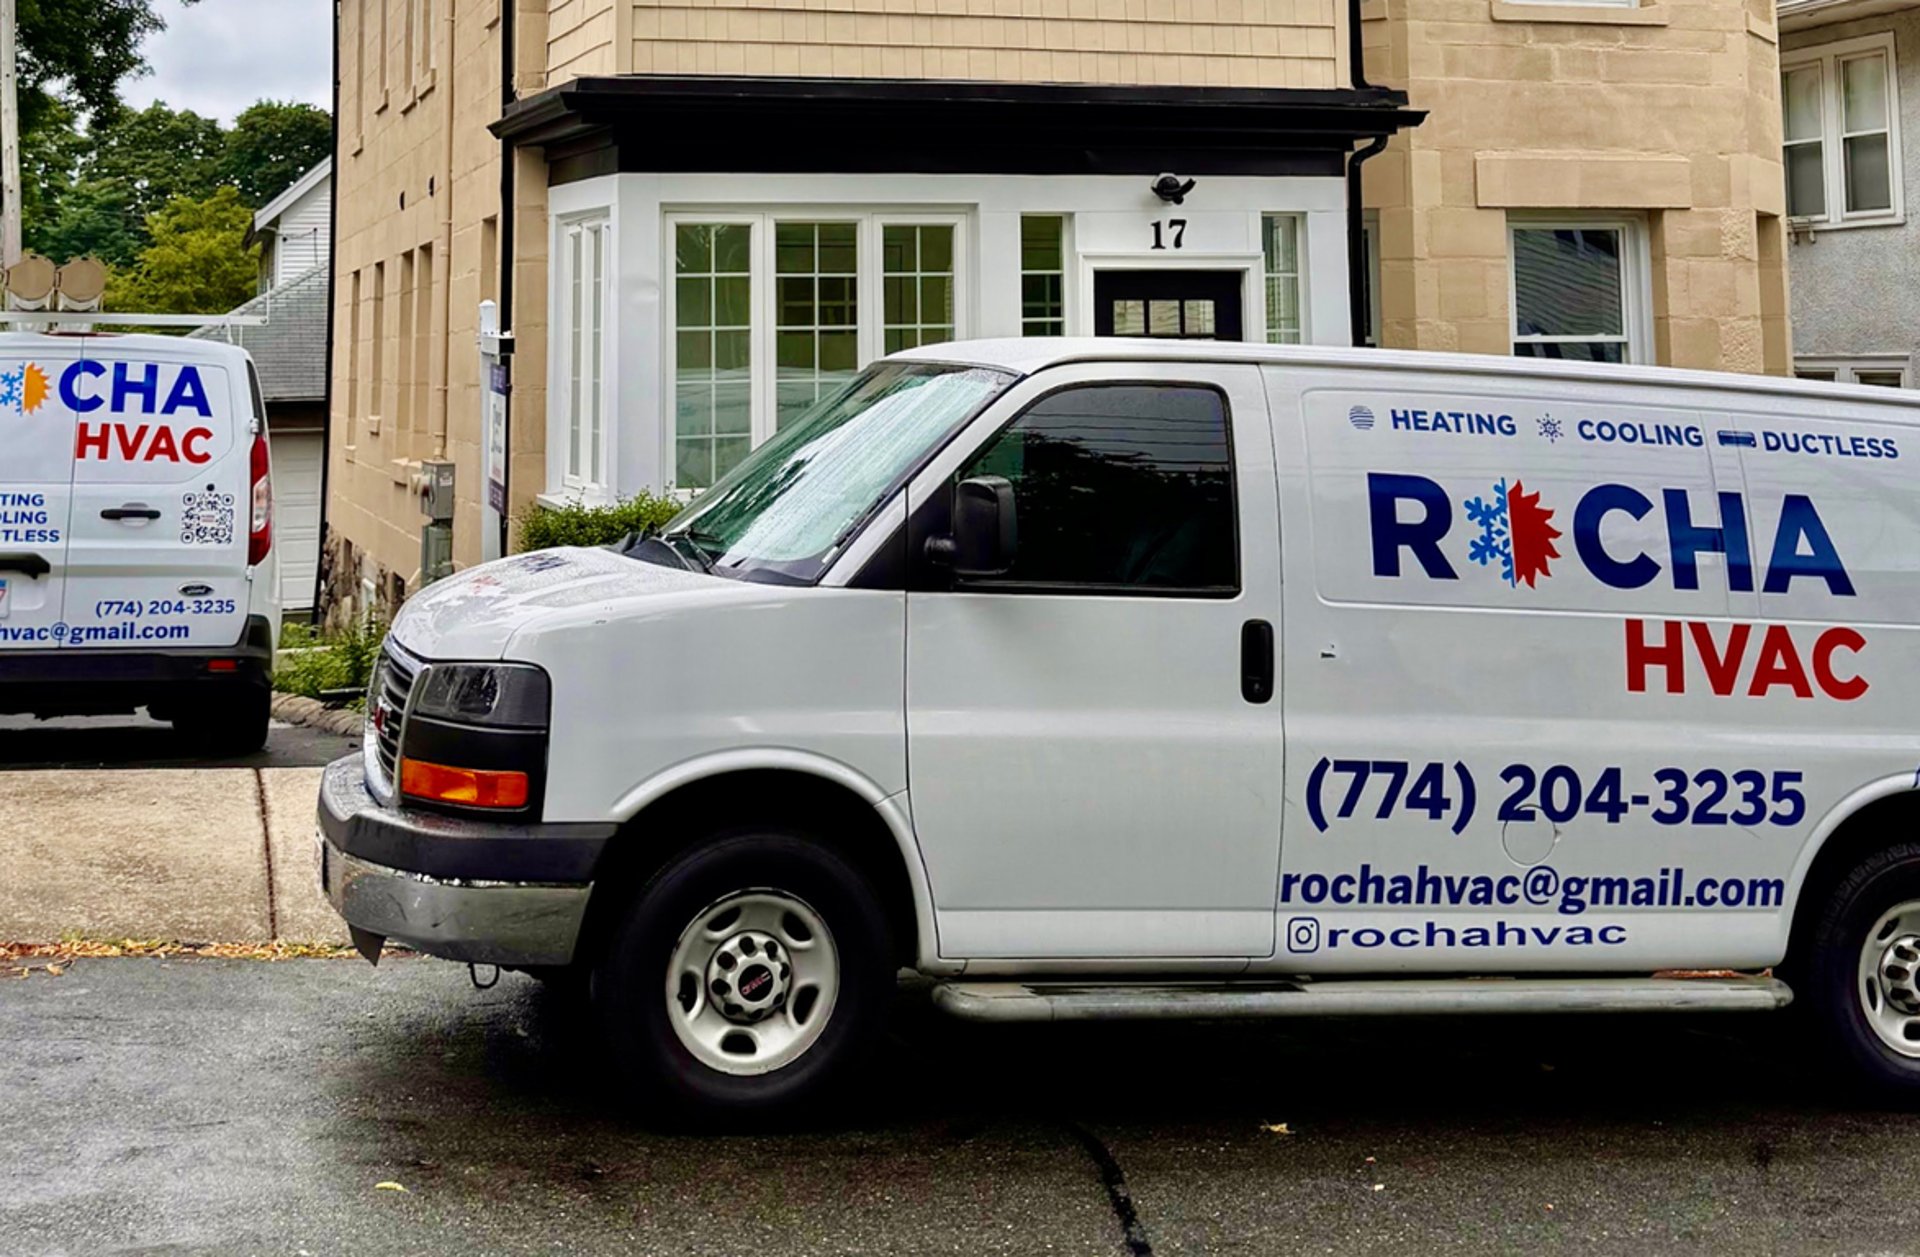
{"x": 479, "y": 891}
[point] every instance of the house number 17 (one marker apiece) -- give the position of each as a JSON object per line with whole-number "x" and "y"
{"x": 1176, "y": 227}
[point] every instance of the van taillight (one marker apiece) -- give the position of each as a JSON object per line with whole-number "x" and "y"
{"x": 260, "y": 534}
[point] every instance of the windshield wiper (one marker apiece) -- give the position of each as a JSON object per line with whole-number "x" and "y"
{"x": 704, "y": 547}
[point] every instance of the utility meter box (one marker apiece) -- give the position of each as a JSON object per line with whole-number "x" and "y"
{"x": 436, "y": 489}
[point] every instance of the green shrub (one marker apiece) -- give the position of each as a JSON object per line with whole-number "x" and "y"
{"x": 311, "y": 663}
{"x": 545, "y": 527}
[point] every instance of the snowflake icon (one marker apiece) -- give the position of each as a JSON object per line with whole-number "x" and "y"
{"x": 23, "y": 389}
{"x": 1550, "y": 428}
{"x": 1495, "y": 542}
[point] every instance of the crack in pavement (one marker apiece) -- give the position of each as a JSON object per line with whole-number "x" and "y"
{"x": 1114, "y": 1179}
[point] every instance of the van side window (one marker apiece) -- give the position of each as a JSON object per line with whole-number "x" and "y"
{"x": 1120, "y": 487}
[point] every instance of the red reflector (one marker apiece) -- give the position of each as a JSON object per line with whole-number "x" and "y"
{"x": 223, "y": 665}
{"x": 471, "y": 787}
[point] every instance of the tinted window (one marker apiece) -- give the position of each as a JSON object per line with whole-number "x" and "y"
{"x": 1121, "y": 486}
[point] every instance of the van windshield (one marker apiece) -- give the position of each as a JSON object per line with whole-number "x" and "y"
{"x": 782, "y": 514}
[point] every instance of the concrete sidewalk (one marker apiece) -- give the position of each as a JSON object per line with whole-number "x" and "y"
{"x": 200, "y": 855}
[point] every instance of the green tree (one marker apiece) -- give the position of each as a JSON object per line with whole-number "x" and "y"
{"x": 80, "y": 51}
{"x": 273, "y": 143}
{"x": 198, "y": 261}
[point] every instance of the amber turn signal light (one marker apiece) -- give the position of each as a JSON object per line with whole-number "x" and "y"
{"x": 468, "y": 787}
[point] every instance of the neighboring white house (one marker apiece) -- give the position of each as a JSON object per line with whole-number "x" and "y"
{"x": 294, "y": 228}
{"x": 290, "y": 352}
{"x": 1850, "y": 86}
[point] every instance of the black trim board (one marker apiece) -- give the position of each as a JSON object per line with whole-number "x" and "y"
{"x": 650, "y": 123}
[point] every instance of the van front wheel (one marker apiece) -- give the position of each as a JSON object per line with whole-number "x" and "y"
{"x": 1864, "y": 971}
{"x": 749, "y": 976}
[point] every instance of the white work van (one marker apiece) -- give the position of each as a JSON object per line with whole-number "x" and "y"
{"x": 1099, "y": 678}
{"x": 136, "y": 533}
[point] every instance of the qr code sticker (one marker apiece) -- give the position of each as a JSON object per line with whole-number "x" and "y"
{"x": 206, "y": 519}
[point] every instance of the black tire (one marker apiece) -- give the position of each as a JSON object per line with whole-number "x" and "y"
{"x": 229, "y": 724}
{"x": 1827, "y": 976}
{"x": 663, "y": 1078}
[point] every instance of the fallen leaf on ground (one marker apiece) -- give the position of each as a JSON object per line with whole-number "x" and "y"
{"x": 388, "y": 1186}
{"x": 1276, "y": 1128}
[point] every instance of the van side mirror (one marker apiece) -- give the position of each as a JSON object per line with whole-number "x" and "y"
{"x": 985, "y": 530}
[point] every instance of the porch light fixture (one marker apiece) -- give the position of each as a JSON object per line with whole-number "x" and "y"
{"x": 1172, "y": 189}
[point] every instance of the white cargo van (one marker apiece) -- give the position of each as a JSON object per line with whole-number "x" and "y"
{"x": 1107, "y": 678}
{"x": 136, "y": 533}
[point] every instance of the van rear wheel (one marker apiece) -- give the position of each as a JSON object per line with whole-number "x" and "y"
{"x": 1863, "y": 972}
{"x": 750, "y": 975}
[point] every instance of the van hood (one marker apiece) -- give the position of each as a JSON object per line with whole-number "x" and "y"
{"x": 474, "y": 614}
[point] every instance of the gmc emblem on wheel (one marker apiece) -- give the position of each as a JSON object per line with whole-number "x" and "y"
{"x": 754, "y": 981}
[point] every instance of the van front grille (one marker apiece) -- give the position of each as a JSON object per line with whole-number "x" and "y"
{"x": 386, "y": 713}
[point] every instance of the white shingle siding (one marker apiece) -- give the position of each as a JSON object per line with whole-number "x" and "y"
{"x": 300, "y": 234}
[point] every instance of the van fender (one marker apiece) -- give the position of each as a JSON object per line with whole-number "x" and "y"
{"x": 1836, "y": 816}
{"x": 893, "y": 810}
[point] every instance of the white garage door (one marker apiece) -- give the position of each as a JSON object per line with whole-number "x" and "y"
{"x": 296, "y": 514}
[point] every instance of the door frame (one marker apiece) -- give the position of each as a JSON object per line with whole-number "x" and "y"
{"x": 1252, "y": 268}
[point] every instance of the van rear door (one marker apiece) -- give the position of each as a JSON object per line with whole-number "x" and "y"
{"x": 157, "y": 551}
{"x": 36, "y": 473}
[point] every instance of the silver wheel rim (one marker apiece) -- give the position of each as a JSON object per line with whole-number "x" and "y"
{"x": 752, "y": 982}
{"x": 1889, "y": 980}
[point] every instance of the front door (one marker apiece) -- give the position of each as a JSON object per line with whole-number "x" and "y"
{"x": 1181, "y": 305}
{"x": 1091, "y": 773}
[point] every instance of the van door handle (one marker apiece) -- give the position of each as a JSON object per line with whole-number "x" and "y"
{"x": 30, "y": 564}
{"x": 133, "y": 510}
{"x": 1256, "y": 661}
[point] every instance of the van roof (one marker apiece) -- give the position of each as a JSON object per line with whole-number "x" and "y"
{"x": 1027, "y": 355}
{"x": 108, "y": 345}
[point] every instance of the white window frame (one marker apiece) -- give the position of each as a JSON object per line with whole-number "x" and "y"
{"x": 1301, "y": 267}
{"x": 869, "y": 289}
{"x": 1067, "y": 312}
{"x": 1828, "y": 59}
{"x": 1847, "y": 370}
{"x": 1636, "y": 281}
{"x": 578, "y": 453}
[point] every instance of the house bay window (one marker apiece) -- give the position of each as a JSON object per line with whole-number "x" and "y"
{"x": 772, "y": 313}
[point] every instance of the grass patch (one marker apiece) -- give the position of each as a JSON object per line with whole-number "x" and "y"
{"x": 314, "y": 664}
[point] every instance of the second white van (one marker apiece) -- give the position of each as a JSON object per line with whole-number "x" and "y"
{"x": 1107, "y": 678}
{"x": 137, "y": 566}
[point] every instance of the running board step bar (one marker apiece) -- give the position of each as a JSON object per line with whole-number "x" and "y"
{"x": 1085, "y": 1001}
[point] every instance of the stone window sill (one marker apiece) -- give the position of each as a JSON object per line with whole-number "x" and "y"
{"x": 1589, "y": 14}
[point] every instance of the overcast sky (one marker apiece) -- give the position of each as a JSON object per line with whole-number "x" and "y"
{"x": 216, "y": 57}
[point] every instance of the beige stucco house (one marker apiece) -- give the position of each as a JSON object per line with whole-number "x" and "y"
{"x": 718, "y": 209}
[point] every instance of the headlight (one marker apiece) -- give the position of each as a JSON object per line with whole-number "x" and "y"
{"x": 501, "y": 695}
{"x": 476, "y": 737}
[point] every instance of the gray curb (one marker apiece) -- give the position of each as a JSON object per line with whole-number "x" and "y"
{"x": 297, "y": 710}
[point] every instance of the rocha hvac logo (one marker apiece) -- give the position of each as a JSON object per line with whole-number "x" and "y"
{"x": 1361, "y": 418}
{"x": 23, "y": 390}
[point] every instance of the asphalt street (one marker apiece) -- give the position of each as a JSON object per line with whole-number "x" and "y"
{"x": 136, "y": 741}
{"x": 215, "y": 1107}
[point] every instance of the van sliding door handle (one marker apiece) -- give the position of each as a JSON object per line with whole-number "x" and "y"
{"x": 1256, "y": 661}
{"x": 130, "y": 512}
{"x": 30, "y": 564}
